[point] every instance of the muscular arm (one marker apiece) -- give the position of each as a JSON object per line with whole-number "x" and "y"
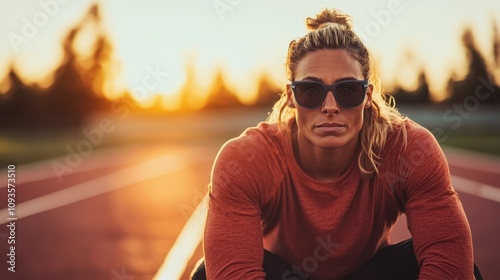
{"x": 233, "y": 236}
{"x": 437, "y": 222}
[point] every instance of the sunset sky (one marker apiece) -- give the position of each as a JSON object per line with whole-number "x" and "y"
{"x": 243, "y": 37}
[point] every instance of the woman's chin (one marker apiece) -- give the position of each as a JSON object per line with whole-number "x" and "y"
{"x": 330, "y": 142}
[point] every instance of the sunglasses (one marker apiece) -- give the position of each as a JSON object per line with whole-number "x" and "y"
{"x": 348, "y": 94}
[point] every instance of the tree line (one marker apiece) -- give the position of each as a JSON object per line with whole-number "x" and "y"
{"x": 76, "y": 91}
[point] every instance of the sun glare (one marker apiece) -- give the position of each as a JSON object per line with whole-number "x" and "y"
{"x": 162, "y": 63}
{"x": 188, "y": 240}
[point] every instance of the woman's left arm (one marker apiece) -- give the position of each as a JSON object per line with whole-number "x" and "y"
{"x": 441, "y": 234}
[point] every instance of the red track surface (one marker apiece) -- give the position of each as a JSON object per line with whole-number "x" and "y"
{"x": 126, "y": 233}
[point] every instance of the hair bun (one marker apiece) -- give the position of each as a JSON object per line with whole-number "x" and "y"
{"x": 327, "y": 17}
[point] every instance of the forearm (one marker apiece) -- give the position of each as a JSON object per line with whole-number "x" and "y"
{"x": 233, "y": 246}
{"x": 443, "y": 242}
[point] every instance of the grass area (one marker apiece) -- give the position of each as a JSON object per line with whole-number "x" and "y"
{"x": 21, "y": 150}
{"x": 489, "y": 144}
{"x": 27, "y": 146}
{"x": 31, "y": 147}
{"x": 23, "y": 146}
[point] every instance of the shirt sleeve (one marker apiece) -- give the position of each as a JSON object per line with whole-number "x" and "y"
{"x": 233, "y": 236}
{"x": 436, "y": 220}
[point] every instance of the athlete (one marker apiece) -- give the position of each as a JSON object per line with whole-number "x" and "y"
{"x": 313, "y": 192}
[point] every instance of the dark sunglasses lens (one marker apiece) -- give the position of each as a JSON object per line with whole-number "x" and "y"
{"x": 350, "y": 94}
{"x": 309, "y": 95}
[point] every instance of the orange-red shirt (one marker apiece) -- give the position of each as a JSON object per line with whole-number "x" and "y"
{"x": 261, "y": 198}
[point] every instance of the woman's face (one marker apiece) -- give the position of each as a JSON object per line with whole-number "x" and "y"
{"x": 329, "y": 126}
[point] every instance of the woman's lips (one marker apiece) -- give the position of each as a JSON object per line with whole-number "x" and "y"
{"x": 330, "y": 127}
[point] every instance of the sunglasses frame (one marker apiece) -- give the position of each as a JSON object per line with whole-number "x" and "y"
{"x": 327, "y": 88}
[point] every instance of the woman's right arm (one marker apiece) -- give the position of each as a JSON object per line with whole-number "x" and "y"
{"x": 233, "y": 235}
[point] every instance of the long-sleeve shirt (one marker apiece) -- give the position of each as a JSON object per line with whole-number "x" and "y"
{"x": 260, "y": 198}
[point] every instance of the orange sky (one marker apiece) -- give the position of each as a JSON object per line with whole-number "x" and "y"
{"x": 243, "y": 37}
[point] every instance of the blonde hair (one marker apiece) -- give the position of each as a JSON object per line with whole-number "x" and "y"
{"x": 332, "y": 29}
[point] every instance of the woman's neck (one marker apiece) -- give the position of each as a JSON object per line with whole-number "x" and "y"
{"x": 319, "y": 163}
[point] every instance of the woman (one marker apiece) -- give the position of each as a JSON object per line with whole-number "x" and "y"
{"x": 314, "y": 192}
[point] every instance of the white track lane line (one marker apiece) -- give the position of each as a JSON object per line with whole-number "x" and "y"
{"x": 185, "y": 245}
{"x": 191, "y": 235}
{"x": 472, "y": 160}
{"x": 153, "y": 168}
{"x": 475, "y": 188}
{"x": 42, "y": 170}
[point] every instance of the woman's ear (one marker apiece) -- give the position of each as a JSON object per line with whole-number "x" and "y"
{"x": 369, "y": 91}
{"x": 289, "y": 97}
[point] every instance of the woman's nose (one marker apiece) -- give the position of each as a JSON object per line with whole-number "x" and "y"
{"x": 329, "y": 105}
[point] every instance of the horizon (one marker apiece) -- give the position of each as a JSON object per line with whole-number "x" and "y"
{"x": 382, "y": 24}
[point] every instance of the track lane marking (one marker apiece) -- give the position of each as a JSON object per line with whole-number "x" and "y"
{"x": 482, "y": 162}
{"x": 475, "y": 188}
{"x": 42, "y": 170}
{"x": 185, "y": 245}
{"x": 149, "y": 169}
{"x": 191, "y": 235}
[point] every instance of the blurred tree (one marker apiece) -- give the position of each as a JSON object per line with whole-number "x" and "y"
{"x": 477, "y": 71}
{"x": 220, "y": 95}
{"x": 21, "y": 105}
{"x": 407, "y": 65}
{"x": 419, "y": 95}
{"x": 187, "y": 91}
{"x": 496, "y": 44}
{"x": 267, "y": 92}
{"x": 496, "y": 52}
{"x": 76, "y": 90}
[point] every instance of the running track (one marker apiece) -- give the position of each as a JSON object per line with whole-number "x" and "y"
{"x": 131, "y": 213}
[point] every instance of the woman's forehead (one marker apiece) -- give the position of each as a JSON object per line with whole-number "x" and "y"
{"x": 328, "y": 65}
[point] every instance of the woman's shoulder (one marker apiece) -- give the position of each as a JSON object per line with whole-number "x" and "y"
{"x": 419, "y": 137}
{"x": 264, "y": 142}
{"x": 254, "y": 161}
{"x": 408, "y": 133}
{"x": 261, "y": 137}
{"x": 411, "y": 144}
